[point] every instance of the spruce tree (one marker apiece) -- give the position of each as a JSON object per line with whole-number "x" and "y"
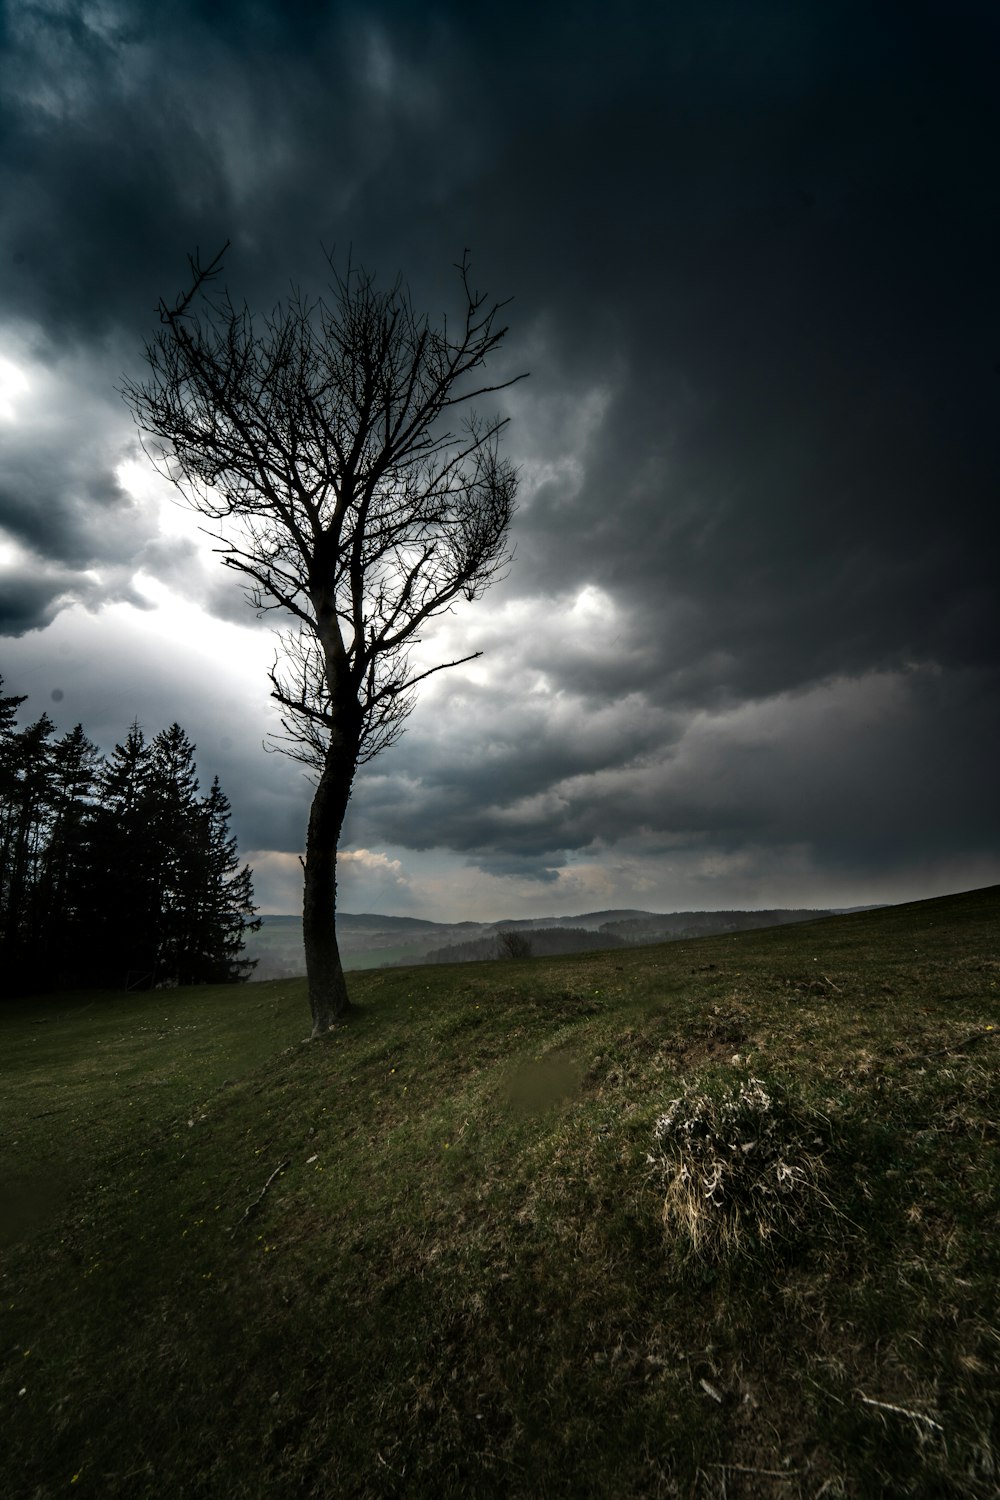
{"x": 60, "y": 937}
{"x": 122, "y": 905}
{"x": 176, "y": 854}
{"x": 225, "y": 909}
{"x": 27, "y": 814}
{"x": 10, "y": 798}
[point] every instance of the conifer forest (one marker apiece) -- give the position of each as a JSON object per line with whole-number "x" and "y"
{"x": 115, "y": 871}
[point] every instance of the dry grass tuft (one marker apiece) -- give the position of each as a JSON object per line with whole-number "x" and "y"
{"x": 737, "y": 1166}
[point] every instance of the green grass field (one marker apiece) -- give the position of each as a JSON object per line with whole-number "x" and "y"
{"x": 447, "y": 1252}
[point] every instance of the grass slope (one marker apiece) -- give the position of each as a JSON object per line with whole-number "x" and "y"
{"x": 428, "y": 1257}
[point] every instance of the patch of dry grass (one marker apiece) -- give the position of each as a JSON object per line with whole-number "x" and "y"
{"x": 740, "y": 1166}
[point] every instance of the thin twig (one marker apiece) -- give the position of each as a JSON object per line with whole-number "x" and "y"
{"x": 746, "y": 1469}
{"x": 251, "y": 1206}
{"x": 901, "y": 1411}
{"x": 831, "y": 983}
{"x": 975, "y": 1036}
{"x": 822, "y": 1389}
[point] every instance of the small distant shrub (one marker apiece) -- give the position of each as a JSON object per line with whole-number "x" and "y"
{"x": 513, "y": 944}
{"x": 736, "y": 1166}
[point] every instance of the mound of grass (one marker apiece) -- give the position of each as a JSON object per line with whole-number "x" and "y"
{"x": 428, "y": 1256}
{"x": 738, "y": 1165}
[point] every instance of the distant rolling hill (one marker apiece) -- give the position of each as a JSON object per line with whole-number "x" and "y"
{"x": 371, "y": 941}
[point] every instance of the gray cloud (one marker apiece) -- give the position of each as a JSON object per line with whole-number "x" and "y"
{"x": 32, "y": 602}
{"x": 752, "y": 256}
{"x": 865, "y": 772}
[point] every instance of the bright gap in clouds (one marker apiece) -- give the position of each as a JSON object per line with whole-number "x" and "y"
{"x": 12, "y": 554}
{"x": 140, "y": 478}
{"x": 226, "y": 649}
{"x": 176, "y": 604}
{"x": 530, "y": 635}
{"x": 13, "y": 384}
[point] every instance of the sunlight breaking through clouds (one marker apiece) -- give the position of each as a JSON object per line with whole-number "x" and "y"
{"x": 14, "y": 386}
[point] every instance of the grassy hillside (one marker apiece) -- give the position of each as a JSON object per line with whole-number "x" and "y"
{"x": 521, "y": 1229}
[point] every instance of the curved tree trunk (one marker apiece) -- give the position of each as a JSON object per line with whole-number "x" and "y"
{"x": 328, "y": 998}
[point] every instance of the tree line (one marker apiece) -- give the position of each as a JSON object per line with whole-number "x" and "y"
{"x": 114, "y": 871}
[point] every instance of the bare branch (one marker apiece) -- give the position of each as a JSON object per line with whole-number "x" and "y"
{"x": 411, "y": 682}
{"x": 322, "y": 431}
{"x": 199, "y": 279}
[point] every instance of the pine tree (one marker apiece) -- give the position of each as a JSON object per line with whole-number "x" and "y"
{"x": 10, "y": 797}
{"x": 59, "y": 936}
{"x": 121, "y": 910}
{"x": 176, "y": 854}
{"x": 174, "y": 902}
{"x": 27, "y": 813}
{"x": 8, "y": 716}
{"x": 224, "y": 912}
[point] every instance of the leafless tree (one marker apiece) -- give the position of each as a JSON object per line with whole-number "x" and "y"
{"x": 327, "y": 431}
{"x": 513, "y": 944}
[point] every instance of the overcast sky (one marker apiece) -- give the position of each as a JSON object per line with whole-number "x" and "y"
{"x": 747, "y": 652}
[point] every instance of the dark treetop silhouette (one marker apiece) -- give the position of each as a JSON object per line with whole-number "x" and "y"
{"x": 325, "y": 429}
{"x": 114, "y": 872}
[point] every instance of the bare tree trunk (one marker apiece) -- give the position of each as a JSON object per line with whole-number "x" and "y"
{"x": 328, "y": 998}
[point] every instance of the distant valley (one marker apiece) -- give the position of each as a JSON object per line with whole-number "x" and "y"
{"x": 369, "y": 941}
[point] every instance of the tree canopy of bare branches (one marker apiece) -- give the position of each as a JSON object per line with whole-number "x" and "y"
{"x": 336, "y": 446}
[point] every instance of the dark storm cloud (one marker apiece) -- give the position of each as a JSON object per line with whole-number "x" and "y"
{"x": 752, "y": 249}
{"x": 501, "y": 790}
{"x": 800, "y": 447}
{"x": 132, "y": 135}
{"x": 29, "y": 603}
{"x": 69, "y": 529}
{"x": 135, "y": 133}
{"x": 773, "y": 223}
{"x": 65, "y": 502}
{"x": 869, "y": 771}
